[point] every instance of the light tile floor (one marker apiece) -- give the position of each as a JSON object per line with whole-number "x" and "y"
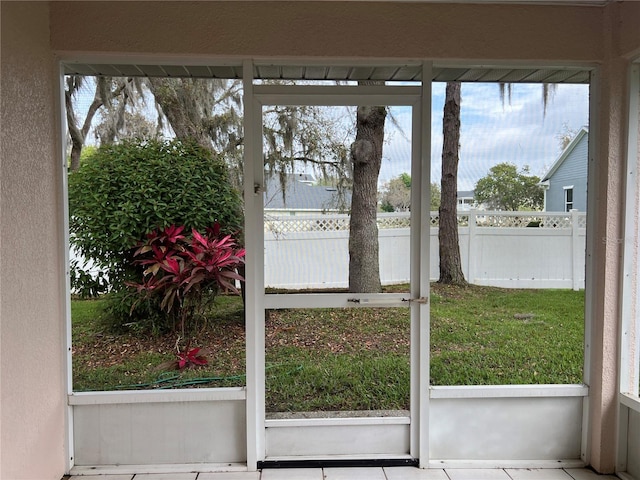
{"x": 387, "y": 473}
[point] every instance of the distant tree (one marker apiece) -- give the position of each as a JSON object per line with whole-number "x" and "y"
{"x": 504, "y": 188}
{"x": 124, "y": 126}
{"x": 435, "y": 197}
{"x": 565, "y": 137}
{"x": 396, "y": 194}
{"x": 108, "y": 91}
{"x": 207, "y": 111}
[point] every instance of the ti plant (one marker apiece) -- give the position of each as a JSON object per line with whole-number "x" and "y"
{"x": 188, "y": 271}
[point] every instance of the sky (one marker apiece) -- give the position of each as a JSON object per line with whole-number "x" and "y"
{"x": 518, "y": 132}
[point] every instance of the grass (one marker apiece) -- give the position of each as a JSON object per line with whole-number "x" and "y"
{"x": 507, "y": 336}
{"x": 108, "y": 360}
{"x": 355, "y": 359}
{"x": 352, "y": 359}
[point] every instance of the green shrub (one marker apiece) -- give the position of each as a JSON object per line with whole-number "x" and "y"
{"x": 86, "y": 284}
{"x": 126, "y": 311}
{"x": 124, "y": 191}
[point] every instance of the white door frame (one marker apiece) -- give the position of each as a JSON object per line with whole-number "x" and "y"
{"x": 419, "y": 98}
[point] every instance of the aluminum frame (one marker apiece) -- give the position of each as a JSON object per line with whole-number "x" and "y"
{"x": 255, "y": 344}
{"x": 419, "y": 98}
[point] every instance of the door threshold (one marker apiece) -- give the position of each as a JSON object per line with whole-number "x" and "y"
{"x": 338, "y": 462}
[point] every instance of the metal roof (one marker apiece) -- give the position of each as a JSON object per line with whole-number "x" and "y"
{"x": 338, "y": 72}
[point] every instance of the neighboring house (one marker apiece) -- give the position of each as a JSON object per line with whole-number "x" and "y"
{"x": 565, "y": 184}
{"x": 466, "y": 201}
{"x": 302, "y": 195}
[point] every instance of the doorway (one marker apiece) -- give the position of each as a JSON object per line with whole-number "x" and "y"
{"x": 324, "y": 389}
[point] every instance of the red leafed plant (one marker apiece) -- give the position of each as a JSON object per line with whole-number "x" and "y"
{"x": 188, "y": 271}
{"x": 186, "y": 358}
{"x": 191, "y": 357}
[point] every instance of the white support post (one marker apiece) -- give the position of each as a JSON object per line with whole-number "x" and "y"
{"x": 630, "y": 317}
{"x": 471, "y": 257}
{"x": 254, "y": 271}
{"x": 576, "y": 251}
{"x": 420, "y": 333}
{"x": 590, "y": 247}
{"x": 65, "y": 267}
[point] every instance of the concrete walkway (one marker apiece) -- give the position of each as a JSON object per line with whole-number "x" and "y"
{"x": 367, "y": 473}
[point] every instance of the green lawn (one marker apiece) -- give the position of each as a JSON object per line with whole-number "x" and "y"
{"x": 352, "y": 359}
{"x": 488, "y": 336}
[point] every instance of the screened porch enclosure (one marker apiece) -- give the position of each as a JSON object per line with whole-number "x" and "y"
{"x": 462, "y": 425}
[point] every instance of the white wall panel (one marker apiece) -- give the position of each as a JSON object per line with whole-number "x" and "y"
{"x": 160, "y": 433}
{"x": 508, "y": 429}
{"x": 325, "y": 438}
{"x": 633, "y": 445}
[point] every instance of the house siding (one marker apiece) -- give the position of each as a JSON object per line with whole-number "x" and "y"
{"x": 572, "y": 172}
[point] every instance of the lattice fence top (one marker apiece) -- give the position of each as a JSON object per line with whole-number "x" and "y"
{"x": 527, "y": 220}
{"x": 582, "y": 221}
{"x": 320, "y": 223}
{"x": 338, "y": 222}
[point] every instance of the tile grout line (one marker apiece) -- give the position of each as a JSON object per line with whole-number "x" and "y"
{"x": 565, "y": 471}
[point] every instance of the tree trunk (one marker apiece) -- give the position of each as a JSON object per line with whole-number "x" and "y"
{"x": 78, "y": 134}
{"x": 179, "y": 100}
{"x": 366, "y": 155}
{"x": 76, "y": 152}
{"x": 450, "y": 264}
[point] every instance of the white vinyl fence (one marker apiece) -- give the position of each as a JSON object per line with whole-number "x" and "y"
{"x": 503, "y": 249}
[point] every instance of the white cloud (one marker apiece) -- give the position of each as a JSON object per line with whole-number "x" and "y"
{"x": 492, "y": 132}
{"x": 518, "y": 132}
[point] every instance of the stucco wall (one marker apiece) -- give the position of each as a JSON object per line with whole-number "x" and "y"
{"x": 417, "y": 30}
{"x": 338, "y": 29}
{"x": 33, "y": 403}
{"x": 629, "y": 39}
{"x": 32, "y": 388}
{"x": 604, "y": 244}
